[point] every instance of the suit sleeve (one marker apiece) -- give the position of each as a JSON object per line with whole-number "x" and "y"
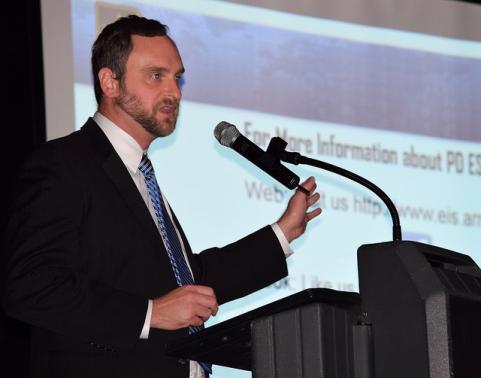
{"x": 46, "y": 280}
{"x": 242, "y": 267}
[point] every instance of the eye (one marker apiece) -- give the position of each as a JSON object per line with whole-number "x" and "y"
{"x": 155, "y": 76}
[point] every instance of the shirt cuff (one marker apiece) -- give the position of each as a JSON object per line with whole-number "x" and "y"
{"x": 282, "y": 240}
{"x": 146, "y": 328}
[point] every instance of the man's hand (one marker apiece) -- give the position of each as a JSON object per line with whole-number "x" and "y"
{"x": 294, "y": 220}
{"x": 189, "y": 305}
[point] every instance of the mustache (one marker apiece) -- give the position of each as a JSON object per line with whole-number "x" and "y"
{"x": 167, "y": 101}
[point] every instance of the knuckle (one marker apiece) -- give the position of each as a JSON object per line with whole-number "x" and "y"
{"x": 190, "y": 308}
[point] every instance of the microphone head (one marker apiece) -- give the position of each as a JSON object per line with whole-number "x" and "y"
{"x": 226, "y": 133}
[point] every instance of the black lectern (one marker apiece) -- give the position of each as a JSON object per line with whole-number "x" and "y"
{"x": 418, "y": 316}
{"x": 424, "y": 303}
{"x": 306, "y": 335}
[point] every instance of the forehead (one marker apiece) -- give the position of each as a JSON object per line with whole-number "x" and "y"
{"x": 154, "y": 51}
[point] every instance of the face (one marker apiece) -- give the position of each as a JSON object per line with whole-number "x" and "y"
{"x": 150, "y": 91}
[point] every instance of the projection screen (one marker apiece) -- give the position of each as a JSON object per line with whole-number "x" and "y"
{"x": 390, "y": 90}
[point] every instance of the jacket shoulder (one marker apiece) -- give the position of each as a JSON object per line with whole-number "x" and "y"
{"x": 79, "y": 146}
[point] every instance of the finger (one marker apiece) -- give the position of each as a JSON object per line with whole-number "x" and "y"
{"x": 214, "y": 310}
{"x": 203, "y": 319}
{"x": 309, "y": 186}
{"x": 205, "y": 296}
{"x": 203, "y": 312}
{"x": 310, "y": 183}
{"x": 302, "y": 190}
{"x": 200, "y": 300}
{"x": 206, "y": 301}
{"x": 196, "y": 321}
{"x": 313, "y": 199}
{"x": 305, "y": 190}
{"x": 312, "y": 214}
{"x": 205, "y": 290}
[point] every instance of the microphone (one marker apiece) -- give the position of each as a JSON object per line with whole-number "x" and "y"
{"x": 228, "y": 135}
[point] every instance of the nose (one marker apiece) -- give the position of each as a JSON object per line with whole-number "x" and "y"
{"x": 172, "y": 88}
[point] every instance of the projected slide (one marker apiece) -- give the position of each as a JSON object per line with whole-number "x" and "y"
{"x": 399, "y": 108}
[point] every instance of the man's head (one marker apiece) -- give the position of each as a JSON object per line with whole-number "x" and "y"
{"x": 136, "y": 70}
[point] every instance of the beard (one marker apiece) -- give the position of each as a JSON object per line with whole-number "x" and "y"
{"x": 133, "y": 106}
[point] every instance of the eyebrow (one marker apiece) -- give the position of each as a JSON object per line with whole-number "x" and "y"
{"x": 163, "y": 70}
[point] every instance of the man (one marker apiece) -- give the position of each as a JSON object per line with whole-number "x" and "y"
{"x": 97, "y": 261}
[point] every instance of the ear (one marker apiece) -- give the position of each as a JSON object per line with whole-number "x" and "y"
{"x": 108, "y": 82}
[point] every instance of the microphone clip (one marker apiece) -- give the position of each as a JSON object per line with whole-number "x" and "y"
{"x": 277, "y": 149}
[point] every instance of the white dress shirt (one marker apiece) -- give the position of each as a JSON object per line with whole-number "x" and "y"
{"x": 131, "y": 153}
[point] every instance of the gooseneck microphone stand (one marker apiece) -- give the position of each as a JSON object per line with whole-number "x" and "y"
{"x": 277, "y": 148}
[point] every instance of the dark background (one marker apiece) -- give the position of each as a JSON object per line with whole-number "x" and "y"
{"x": 471, "y": 1}
{"x": 23, "y": 128}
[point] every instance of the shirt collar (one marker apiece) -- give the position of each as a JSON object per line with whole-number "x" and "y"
{"x": 126, "y": 147}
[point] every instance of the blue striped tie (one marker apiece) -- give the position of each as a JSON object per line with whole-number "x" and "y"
{"x": 169, "y": 236}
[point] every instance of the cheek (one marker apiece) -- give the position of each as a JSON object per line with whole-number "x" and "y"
{"x": 150, "y": 103}
{"x": 140, "y": 90}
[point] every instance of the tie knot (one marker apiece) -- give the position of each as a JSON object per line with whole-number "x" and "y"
{"x": 145, "y": 166}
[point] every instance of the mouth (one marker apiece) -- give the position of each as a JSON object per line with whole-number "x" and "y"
{"x": 167, "y": 109}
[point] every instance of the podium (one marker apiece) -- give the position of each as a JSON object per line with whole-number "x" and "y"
{"x": 418, "y": 315}
{"x": 424, "y": 303}
{"x": 300, "y": 336}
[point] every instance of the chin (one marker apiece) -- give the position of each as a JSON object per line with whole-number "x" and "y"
{"x": 165, "y": 129}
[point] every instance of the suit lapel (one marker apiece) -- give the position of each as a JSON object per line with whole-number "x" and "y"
{"x": 120, "y": 177}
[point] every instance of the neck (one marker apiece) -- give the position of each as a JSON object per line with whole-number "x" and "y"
{"x": 128, "y": 124}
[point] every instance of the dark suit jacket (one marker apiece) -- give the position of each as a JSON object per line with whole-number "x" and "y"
{"x": 84, "y": 255}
